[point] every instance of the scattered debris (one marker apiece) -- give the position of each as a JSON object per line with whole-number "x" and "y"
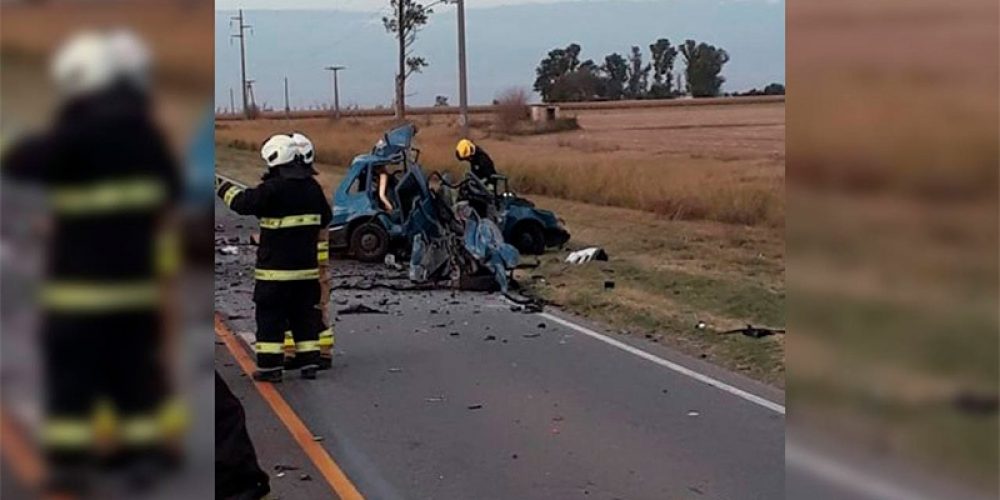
{"x": 514, "y": 456}
{"x": 453, "y": 334}
{"x": 977, "y": 404}
{"x": 390, "y": 262}
{"x": 317, "y": 438}
{"x": 305, "y": 477}
{"x": 755, "y": 332}
{"x": 490, "y": 337}
{"x": 229, "y": 250}
{"x": 701, "y": 325}
{"x": 531, "y": 335}
{"x": 395, "y": 370}
{"x": 435, "y": 399}
{"x": 283, "y": 467}
{"x": 475, "y": 407}
{"x": 693, "y": 413}
{"x": 359, "y": 309}
{"x": 541, "y": 325}
{"x": 587, "y": 255}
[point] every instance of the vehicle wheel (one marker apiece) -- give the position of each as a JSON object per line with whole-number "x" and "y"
{"x": 370, "y": 242}
{"x": 529, "y": 239}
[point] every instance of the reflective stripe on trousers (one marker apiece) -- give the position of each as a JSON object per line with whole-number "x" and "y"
{"x": 268, "y": 347}
{"x": 286, "y": 275}
{"x": 326, "y": 338}
{"x": 323, "y": 251}
{"x": 72, "y": 433}
{"x": 98, "y": 296}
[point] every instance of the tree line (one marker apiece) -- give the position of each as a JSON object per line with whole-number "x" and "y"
{"x": 561, "y": 76}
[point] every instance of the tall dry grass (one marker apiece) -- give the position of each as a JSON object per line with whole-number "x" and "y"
{"x": 729, "y": 190}
{"x": 512, "y": 109}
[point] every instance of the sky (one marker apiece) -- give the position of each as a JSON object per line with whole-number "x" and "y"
{"x": 506, "y": 40}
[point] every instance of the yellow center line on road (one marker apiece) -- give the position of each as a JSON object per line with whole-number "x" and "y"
{"x": 327, "y": 467}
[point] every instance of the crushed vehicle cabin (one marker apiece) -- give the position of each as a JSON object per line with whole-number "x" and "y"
{"x": 458, "y": 232}
{"x": 368, "y": 232}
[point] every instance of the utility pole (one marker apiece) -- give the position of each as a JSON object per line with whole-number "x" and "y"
{"x": 336, "y": 90}
{"x": 463, "y": 97}
{"x": 287, "y": 109}
{"x": 401, "y": 76}
{"x": 253, "y": 102}
{"x": 232, "y": 102}
{"x": 243, "y": 57}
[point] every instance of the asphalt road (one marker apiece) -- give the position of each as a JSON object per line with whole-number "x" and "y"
{"x": 456, "y": 396}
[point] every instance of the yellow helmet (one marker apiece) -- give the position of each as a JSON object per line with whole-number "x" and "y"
{"x": 465, "y": 149}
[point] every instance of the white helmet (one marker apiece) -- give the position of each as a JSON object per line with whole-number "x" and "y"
{"x": 131, "y": 56}
{"x": 278, "y": 150}
{"x": 83, "y": 64}
{"x": 305, "y": 147}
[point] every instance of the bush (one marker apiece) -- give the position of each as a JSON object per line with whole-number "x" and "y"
{"x": 512, "y": 108}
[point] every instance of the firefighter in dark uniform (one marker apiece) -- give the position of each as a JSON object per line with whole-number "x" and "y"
{"x": 112, "y": 184}
{"x": 480, "y": 163}
{"x": 292, "y": 209}
{"x": 307, "y": 152}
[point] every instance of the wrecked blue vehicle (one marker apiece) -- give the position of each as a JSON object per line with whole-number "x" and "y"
{"x": 359, "y": 224}
{"x": 361, "y": 227}
{"x": 530, "y": 229}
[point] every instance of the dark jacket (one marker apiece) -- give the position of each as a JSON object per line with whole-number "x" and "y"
{"x": 110, "y": 177}
{"x": 482, "y": 165}
{"x": 292, "y": 209}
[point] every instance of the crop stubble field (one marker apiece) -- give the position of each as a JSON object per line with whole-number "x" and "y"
{"x": 718, "y": 163}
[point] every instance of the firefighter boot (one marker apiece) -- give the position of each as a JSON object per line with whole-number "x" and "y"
{"x": 272, "y": 375}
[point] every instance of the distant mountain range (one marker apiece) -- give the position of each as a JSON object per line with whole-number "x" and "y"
{"x": 505, "y": 45}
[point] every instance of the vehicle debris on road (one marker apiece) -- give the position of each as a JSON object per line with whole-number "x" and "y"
{"x": 754, "y": 332}
{"x": 587, "y": 255}
{"x": 359, "y": 309}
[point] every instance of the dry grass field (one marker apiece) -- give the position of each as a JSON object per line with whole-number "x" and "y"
{"x": 893, "y": 228}
{"x": 716, "y": 163}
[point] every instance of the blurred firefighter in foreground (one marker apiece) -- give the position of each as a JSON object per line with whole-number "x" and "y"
{"x": 112, "y": 185}
{"x": 480, "y": 163}
{"x": 292, "y": 210}
{"x": 238, "y": 476}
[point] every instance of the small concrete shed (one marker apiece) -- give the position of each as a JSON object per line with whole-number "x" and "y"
{"x": 541, "y": 113}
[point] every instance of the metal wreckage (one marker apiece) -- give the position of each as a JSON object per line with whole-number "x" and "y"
{"x": 470, "y": 234}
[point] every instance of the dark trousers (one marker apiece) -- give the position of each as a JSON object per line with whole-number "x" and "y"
{"x": 237, "y": 473}
{"x": 89, "y": 357}
{"x": 290, "y": 305}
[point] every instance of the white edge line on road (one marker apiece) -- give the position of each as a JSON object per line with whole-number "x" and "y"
{"x": 718, "y": 384}
{"x": 845, "y": 476}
